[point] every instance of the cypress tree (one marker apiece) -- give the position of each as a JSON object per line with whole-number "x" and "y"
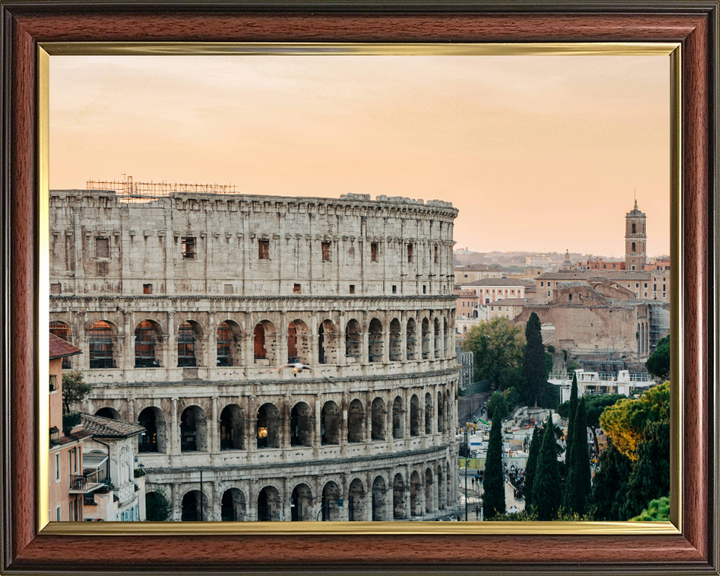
{"x": 577, "y": 458}
{"x": 610, "y": 484}
{"x": 547, "y": 489}
{"x": 494, "y": 480}
{"x": 534, "y": 371}
{"x": 532, "y": 467}
{"x": 571, "y": 414}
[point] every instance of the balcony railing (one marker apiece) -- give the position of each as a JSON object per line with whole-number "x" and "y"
{"x": 84, "y": 483}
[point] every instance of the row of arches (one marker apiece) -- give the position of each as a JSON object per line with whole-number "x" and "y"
{"x": 411, "y": 494}
{"x": 376, "y": 422}
{"x": 422, "y": 339}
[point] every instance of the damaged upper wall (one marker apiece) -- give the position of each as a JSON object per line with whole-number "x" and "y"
{"x": 221, "y": 244}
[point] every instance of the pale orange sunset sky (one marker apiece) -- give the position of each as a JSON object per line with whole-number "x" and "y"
{"x": 539, "y": 153}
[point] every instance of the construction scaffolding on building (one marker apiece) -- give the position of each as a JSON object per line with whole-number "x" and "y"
{"x": 128, "y": 190}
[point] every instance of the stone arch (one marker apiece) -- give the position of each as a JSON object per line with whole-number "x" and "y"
{"x": 298, "y": 342}
{"x": 232, "y": 428}
{"x": 398, "y": 497}
{"x": 301, "y": 504}
{"x": 301, "y": 425}
{"x": 108, "y": 412}
{"x": 327, "y": 342}
{"x": 101, "y": 341}
{"x": 356, "y": 422}
{"x": 194, "y": 507}
{"x": 375, "y": 341}
{"x": 229, "y": 344}
{"x": 416, "y": 491}
{"x": 155, "y": 438}
{"x": 268, "y": 426}
{"x": 437, "y": 342}
{"x": 425, "y": 339}
{"x": 330, "y": 423}
{"x": 193, "y": 430}
{"x": 415, "y": 415}
{"x": 233, "y": 507}
{"x": 190, "y": 344}
{"x": 398, "y": 417}
{"x": 428, "y": 413}
{"x": 265, "y": 343}
{"x": 62, "y": 330}
{"x": 428, "y": 491}
{"x": 440, "y": 414}
{"x": 378, "y": 419}
{"x": 148, "y": 344}
{"x": 356, "y": 501}
{"x": 411, "y": 340}
{"x": 395, "y": 341}
{"x": 379, "y": 493}
{"x": 329, "y": 505}
{"x": 353, "y": 341}
{"x": 269, "y": 504}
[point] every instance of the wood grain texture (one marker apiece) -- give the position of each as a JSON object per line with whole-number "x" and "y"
{"x": 690, "y": 552}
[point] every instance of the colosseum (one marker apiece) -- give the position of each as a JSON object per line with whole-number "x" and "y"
{"x": 185, "y": 303}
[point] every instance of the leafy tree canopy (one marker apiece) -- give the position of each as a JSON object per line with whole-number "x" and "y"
{"x": 157, "y": 506}
{"x": 74, "y": 388}
{"x": 497, "y": 346}
{"x": 658, "y": 364}
{"x": 497, "y": 406}
{"x": 657, "y": 510}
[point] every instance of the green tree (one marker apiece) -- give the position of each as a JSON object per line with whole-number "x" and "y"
{"x": 157, "y": 506}
{"x": 594, "y": 406}
{"x": 531, "y": 467}
{"x": 547, "y": 489}
{"x": 572, "y": 409}
{"x": 74, "y": 388}
{"x": 657, "y": 510}
{"x": 497, "y": 406}
{"x": 534, "y": 369}
{"x": 610, "y": 484}
{"x": 658, "y": 364}
{"x": 577, "y": 460}
{"x": 494, "y": 479}
{"x": 497, "y": 346}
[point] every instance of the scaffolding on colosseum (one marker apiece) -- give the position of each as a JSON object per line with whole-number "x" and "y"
{"x": 139, "y": 192}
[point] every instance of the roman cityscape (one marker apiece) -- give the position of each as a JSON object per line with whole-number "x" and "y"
{"x": 277, "y": 350}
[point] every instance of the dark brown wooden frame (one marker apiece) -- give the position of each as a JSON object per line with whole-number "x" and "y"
{"x": 692, "y": 23}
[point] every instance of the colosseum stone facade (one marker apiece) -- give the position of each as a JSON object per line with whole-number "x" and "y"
{"x": 183, "y": 305}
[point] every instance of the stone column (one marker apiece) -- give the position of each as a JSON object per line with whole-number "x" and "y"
{"x": 171, "y": 348}
{"x": 216, "y": 510}
{"x": 344, "y": 425}
{"x": 249, "y": 344}
{"x": 215, "y": 425}
{"x": 342, "y": 350}
{"x": 128, "y": 361}
{"x": 211, "y": 352}
{"x": 386, "y": 338}
{"x": 251, "y": 409}
{"x": 317, "y": 439}
{"x": 368, "y": 422}
{"x": 403, "y": 336}
{"x": 389, "y": 421}
{"x": 174, "y": 435}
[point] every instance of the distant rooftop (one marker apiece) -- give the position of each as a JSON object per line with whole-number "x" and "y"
{"x": 109, "y": 428}
{"x": 59, "y": 348}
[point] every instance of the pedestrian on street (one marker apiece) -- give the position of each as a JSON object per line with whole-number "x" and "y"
{"x": 477, "y": 512}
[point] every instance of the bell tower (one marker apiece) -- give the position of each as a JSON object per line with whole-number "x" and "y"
{"x": 635, "y": 239}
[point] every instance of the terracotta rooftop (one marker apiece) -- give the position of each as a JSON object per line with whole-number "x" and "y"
{"x": 109, "y": 428}
{"x": 617, "y": 275}
{"x": 498, "y": 282}
{"x": 59, "y": 348}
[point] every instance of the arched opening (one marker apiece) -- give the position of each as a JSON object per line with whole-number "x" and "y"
{"x": 301, "y": 425}
{"x": 378, "y": 499}
{"x": 633, "y": 227}
{"x": 329, "y": 507}
{"x": 268, "y": 427}
{"x": 437, "y": 338}
{"x": 264, "y": 343}
{"x": 298, "y": 342}
{"x": 428, "y": 491}
{"x": 633, "y": 247}
{"x": 232, "y": 423}
{"x": 62, "y": 330}
{"x": 327, "y": 343}
{"x": 398, "y": 418}
{"x": 356, "y": 501}
{"x": 108, "y": 412}
{"x": 415, "y": 494}
{"x": 428, "y": 413}
{"x": 268, "y": 505}
{"x": 398, "y": 497}
{"x": 229, "y": 348}
{"x": 330, "y": 421}
{"x": 375, "y": 341}
{"x": 194, "y": 507}
{"x": 425, "y": 339}
{"x": 446, "y": 339}
{"x": 395, "y": 341}
{"x": 356, "y": 422}
{"x": 449, "y": 483}
{"x": 378, "y": 419}
{"x": 415, "y": 416}
{"x": 101, "y": 345}
{"x": 147, "y": 335}
{"x": 155, "y": 436}
{"x": 301, "y": 504}
{"x": 440, "y": 416}
{"x": 410, "y": 340}
{"x": 193, "y": 430}
{"x": 353, "y": 340}
{"x": 569, "y": 297}
{"x": 233, "y": 507}
{"x": 189, "y": 345}
{"x": 441, "y": 488}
